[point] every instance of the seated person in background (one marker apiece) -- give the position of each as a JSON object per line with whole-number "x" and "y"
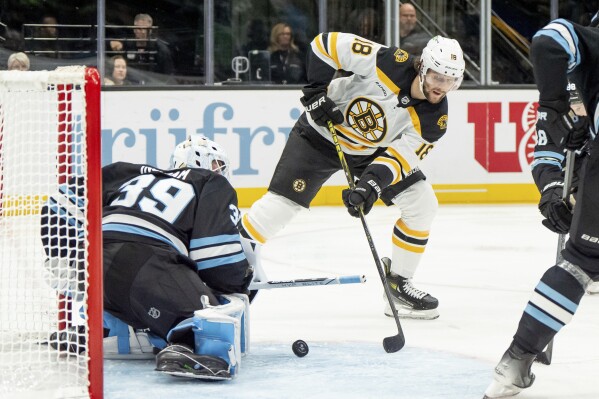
{"x": 286, "y": 62}
{"x": 47, "y": 43}
{"x": 118, "y": 72}
{"x": 145, "y": 51}
{"x": 367, "y": 25}
{"x": 18, "y": 62}
{"x": 411, "y": 38}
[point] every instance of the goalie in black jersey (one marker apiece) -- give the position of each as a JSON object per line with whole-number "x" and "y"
{"x": 174, "y": 265}
{"x": 564, "y": 55}
{"x": 388, "y": 115}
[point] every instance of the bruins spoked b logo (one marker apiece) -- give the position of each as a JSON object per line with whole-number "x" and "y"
{"x": 367, "y": 118}
{"x": 299, "y": 185}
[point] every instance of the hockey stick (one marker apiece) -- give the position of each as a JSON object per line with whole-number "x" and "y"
{"x": 395, "y": 342}
{"x": 306, "y": 282}
{"x": 545, "y": 357}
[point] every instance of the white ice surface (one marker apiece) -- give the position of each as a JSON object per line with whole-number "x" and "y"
{"x": 482, "y": 263}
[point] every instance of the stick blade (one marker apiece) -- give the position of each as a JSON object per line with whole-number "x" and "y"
{"x": 394, "y": 343}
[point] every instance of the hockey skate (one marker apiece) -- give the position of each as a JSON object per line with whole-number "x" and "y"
{"x": 181, "y": 361}
{"x": 71, "y": 340}
{"x": 410, "y": 302}
{"x": 140, "y": 346}
{"x": 512, "y": 374}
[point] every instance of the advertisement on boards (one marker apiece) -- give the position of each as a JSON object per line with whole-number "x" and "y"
{"x": 487, "y": 148}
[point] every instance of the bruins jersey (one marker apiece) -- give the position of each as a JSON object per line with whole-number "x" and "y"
{"x": 376, "y": 102}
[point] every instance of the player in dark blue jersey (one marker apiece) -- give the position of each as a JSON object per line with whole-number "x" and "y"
{"x": 564, "y": 55}
{"x": 173, "y": 261}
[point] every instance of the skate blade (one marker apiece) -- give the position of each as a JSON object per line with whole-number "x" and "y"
{"x": 498, "y": 390}
{"x": 129, "y": 356}
{"x": 196, "y": 376}
{"x": 407, "y": 313}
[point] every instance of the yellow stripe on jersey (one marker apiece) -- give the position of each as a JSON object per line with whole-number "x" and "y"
{"x": 391, "y": 164}
{"x": 415, "y": 120}
{"x": 404, "y": 164}
{"x": 354, "y": 136}
{"x": 408, "y": 247}
{"x": 320, "y": 46}
{"x": 251, "y": 230}
{"x": 388, "y": 82}
{"x": 410, "y": 232}
{"x": 333, "y": 48}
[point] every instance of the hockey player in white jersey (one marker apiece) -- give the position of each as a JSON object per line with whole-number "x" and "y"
{"x": 388, "y": 115}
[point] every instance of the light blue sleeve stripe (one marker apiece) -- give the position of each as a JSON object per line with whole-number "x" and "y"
{"x": 550, "y": 154}
{"x": 64, "y": 214}
{"x": 204, "y": 242}
{"x": 557, "y": 297}
{"x": 210, "y": 263}
{"x": 574, "y": 59}
{"x": 546, "y": 162}
{"x": 72, "y": 195}
{"x": 123, "y": 228}
{"x": 543, "y": 318}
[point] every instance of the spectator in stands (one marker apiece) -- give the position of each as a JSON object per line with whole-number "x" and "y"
{"x": 411, "y": 37}
{"x": 368, "y": 27}
{"x": 18, "y": 62}
{"x": 145, "y": 51}
{"x": 47, "y": 43}
{"x": 286, "y": 62}
{"x": 118, "y": 72}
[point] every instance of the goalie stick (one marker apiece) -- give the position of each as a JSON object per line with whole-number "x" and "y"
{"x": 306, "y": 282}
{"x": 395, "y": 342}
{"x": 545, "y": 356}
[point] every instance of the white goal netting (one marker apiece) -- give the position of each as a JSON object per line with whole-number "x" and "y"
{"x": 43, "y": 235}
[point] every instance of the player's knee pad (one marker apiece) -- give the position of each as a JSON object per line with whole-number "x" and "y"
{"x": 66, "y": 276}
{"x": 418, "y": 204}
{"x": 123, "y": 342}
{"x": 221, "y": 331}
{"x": 268, "y": 216}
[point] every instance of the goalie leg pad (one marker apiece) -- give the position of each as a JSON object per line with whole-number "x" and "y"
{"x": 123, "y": 342}
{"x": 219, "y": 331}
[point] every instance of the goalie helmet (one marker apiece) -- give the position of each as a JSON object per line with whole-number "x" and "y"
{"x": 200, "y": 152}
{"x": 444, "y": 56}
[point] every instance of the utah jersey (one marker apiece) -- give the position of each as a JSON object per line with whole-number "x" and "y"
{"x": 194, "y": 211}
{"x": 376, "y": 102}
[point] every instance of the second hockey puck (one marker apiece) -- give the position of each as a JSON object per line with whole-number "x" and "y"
{"x": 300, "y": 348}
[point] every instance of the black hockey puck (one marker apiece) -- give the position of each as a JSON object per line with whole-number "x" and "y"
{"x": 300, "y": 348}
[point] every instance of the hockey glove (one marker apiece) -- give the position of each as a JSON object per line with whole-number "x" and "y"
{"x": 364, "y": 195}
{"x": 558, "y": 213}
{"x": 322, "y": 109}
{"x": 566, "y": 129}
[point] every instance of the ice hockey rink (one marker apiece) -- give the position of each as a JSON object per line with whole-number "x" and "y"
{"x": 482, "y": 263}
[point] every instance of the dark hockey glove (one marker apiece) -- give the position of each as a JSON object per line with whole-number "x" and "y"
{"x": 322, "y": 109}
{"x": 364, "y": 195}
{"x": 566, "y": 129}
{"x": 558, "y": 213}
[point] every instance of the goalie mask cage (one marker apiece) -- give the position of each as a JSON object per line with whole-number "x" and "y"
{"x": 50, "y": 289}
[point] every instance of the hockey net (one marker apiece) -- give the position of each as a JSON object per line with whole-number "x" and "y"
{"x": 51, "y": 293}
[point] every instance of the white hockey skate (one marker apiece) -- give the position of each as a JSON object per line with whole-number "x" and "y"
{"x": 140, "y": 347}
{"x": 410, "y": 302}
{"x": 512, "y": 374}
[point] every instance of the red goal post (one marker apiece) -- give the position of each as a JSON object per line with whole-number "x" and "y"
{"x": 50, "y": 291}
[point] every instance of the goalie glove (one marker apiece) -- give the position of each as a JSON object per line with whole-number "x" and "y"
{"x": 364, "y": 195}
{"x": 565, "y": 128}
{"x": 321, "y": 108}
{"x": 557, "y": 213}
